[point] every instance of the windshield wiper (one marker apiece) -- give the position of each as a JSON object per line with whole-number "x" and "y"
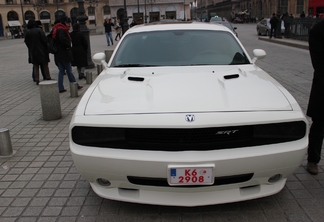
{"x": 132, "y": 65}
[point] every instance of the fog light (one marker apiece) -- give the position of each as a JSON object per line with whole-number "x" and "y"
{"x": 274, "y": 178}
{"x": 103, "y": 182}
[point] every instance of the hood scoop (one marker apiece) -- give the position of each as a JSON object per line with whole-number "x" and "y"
{"x": 136, "y": 79}
{"x": 232, "y": 76}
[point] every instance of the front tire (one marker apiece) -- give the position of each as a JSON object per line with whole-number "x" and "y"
{"x": 258, "y": 32}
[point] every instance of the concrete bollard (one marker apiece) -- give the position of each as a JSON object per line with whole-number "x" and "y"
{"x": 99, "y": 69}
{"x": 74, "y": 89}
{"x": 89, "y": 77}
{"x": 5, "y": 142}
{"x": 50, "y": 100}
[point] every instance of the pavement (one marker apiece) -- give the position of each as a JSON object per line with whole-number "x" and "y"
{"x": 39, "y": 182}
{"x": 286, "y": 41}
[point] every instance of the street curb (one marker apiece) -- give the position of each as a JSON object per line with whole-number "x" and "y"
{"x": 301, "y": 45}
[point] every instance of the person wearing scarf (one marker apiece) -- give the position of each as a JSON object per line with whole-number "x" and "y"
{"x": 64, "y": 56}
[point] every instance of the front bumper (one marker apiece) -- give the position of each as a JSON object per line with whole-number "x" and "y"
{"x": 116, "y": 165}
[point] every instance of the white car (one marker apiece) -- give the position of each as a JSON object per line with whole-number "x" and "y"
{"x": 177, "y": 118}
{"x": 264, "y": 27}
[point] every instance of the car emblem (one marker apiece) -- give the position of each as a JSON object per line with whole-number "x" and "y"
{"x": 226, "y": 132}
{"x": 190, "y": 118}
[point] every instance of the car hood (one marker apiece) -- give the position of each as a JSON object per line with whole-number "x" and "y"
{"x": 183, "y": 89}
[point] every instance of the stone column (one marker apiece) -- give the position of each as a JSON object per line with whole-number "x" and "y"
{"x": 5, "y": 143}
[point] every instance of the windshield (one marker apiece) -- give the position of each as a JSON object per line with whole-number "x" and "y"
{"x": 179, "y": 48}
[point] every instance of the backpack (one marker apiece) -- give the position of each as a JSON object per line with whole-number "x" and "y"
{"x": 52, "y": 44}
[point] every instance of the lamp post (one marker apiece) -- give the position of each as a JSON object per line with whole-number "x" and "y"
{"x": 145, "y": 19}
{"x": 201, "y": 10}
{"x": 278, "y": 31}
{"x": 184, "y": 10}
{"x": 82, "y": 18}
{"x": 138, "y": 11}
{"x": 23, "y": 17}
{"x": 125, "y": 25}
{"x": 57, "y": 8}
{"x": 37, "y": 7}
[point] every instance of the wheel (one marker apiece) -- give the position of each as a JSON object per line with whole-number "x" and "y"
{"x": 267, "y": 33}
{"x": 258, "y": 32}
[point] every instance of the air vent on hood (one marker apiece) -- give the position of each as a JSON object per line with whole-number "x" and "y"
{"x": 137, "y": 79}
{"x": 233, "y": 76}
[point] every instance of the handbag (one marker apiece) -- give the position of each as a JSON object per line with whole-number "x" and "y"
{"x": 52, "y": 44}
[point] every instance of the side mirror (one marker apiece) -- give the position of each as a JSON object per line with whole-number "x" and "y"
{"x": 98, "y": 58}
{"x": 258, "y": 54}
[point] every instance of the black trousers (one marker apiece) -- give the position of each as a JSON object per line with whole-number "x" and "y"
{"x": 273, "y": 31}
{"x": 316, "y": 135}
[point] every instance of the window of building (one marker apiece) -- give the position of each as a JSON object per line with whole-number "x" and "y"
{"x": 91, "y": 15}
{"x": 106, "y": 10}
{"x": 12, "y": 16}
{"x": 300, "y": 6}
{"x": 29, "y": 15}
{"x": 284, "y": 6}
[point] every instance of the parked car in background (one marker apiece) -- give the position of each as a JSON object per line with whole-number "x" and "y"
{"x": 216, "y": 18}
{"x": 181, "y": 115}
{"x": 264, "y": 27}
{"x": 238, "y": 20}
{"x": 226, "y": 24}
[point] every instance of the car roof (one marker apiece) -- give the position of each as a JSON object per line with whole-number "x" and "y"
{"x": 161, "y": 26}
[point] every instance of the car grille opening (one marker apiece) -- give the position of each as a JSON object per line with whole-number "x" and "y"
{"x": 178, "y": 139}
{"x": 162, "y": 182}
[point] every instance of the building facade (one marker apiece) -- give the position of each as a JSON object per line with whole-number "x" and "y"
{"x": 251, "y": 9}
{"x": 15, "y": 14}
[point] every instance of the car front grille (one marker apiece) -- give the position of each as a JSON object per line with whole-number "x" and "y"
{"x": 178, "y": 139}
{"x": 189, "y": 136}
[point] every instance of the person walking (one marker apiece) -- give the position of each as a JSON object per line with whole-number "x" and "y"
{"x": 118, "y": 31}
{"x": 64, "y": 55}
{"x": 79, "y": 50}
{"x": 108, "y": 31}
{"x": 315, "y": 108}
{"x": 133, "y": 23}
{"x": 38, "y": 24}
{"x": 36, "y": 42}
{"x": 273, "y": 23}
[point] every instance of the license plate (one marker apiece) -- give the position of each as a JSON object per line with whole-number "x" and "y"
{"x": 191, "y": 175}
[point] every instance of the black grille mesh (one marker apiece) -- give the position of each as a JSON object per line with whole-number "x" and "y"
{"x": 181, "y": 136}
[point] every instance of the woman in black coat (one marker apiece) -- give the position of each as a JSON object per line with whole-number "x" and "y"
{"x": 36, "y": 41}
{"x": 315, "y": 108}
{"x": 79, "y": 50}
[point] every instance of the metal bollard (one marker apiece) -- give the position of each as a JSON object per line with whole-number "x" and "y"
{"x": 74, "y": 89}
{"x": 50, "y": 100}
{"x": 99, "y": 69}
{"x": 89, "y": 77}
{"x": 5, "y": 142}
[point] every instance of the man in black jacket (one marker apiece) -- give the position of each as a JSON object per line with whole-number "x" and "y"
{"x": 273, "y": 23}
{"x": 36, "y": 41}
{"x": 64, "y": 56}
{"x": 315, "y": 108}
